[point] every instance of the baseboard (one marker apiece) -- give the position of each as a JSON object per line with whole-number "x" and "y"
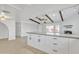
{"x": 35, "y": 50}
{"x": 4, "y": 38}
{"x": 18, "y": 36}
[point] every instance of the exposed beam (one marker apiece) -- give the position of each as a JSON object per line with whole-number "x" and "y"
{"x": 38, "y": 18}
{"x": 34, "y": 21}
{"x": 61, "y": 15}
{"x": 49, "y": 18}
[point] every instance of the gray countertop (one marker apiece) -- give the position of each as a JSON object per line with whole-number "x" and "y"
{"x": 57, "y": 35}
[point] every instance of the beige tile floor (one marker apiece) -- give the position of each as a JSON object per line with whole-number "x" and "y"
{"x": 16, "y": 47}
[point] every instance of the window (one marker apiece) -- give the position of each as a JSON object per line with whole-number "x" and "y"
{"x": 52, "y": 29}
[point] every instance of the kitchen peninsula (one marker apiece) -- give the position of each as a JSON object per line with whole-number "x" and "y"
{"x": 55, "y": 44}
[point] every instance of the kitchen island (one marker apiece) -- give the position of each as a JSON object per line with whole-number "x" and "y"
{"x": 54, "y": 44}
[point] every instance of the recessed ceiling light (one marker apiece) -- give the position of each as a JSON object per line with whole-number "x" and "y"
{"x": 2, "y": 13}
{"x": 75, "y": 9}
{"x": 3, "y": 16}
{"x": 54, "y": 15}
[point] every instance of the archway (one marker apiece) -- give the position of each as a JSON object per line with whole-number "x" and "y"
{"x": 4, "y": 31}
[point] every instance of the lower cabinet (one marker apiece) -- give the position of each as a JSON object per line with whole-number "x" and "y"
{"x": 57, "y": 45}
{"x": 74, "y": 46}
{"x": 33, "y": 40}
{"x": 44, "y": 45}
{"x": 49, "y": 44}
{"x": 54, "y": 45}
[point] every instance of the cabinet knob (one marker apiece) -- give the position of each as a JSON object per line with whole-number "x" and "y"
{"x": 55, "y": 50}
{"x": 55, "y": 38}
{"x": 55, "y": 44}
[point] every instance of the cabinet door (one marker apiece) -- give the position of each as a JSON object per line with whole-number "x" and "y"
{"x": 59, "y": 45}
{"x": 74, "y": 46}
{"x": 33, "y": 40}
{"x": 44, "y": 46}
{"x": 63, "y": 45}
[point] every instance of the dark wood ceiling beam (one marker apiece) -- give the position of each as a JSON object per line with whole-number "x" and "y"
{"x": 49, "y": 18}
{"x": 34, "y": 21}
{"x": 38, "y": 18}
{"x": 61, "y": 15}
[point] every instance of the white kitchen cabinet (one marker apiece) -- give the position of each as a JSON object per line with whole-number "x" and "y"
{"x": 54, "y": 44}
{"x": 33, "y": 40}
{"x": 49, "y": 44}
{"x": 46, "y": 43}
{"x": 58, "y": 45}
{"x": 62, "y": 45}
{"x": 44, "y": 46}
{"x": 39, "y": 42}
{"x": 74, "y": 46}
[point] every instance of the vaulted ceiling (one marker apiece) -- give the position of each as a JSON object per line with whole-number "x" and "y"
{"x": 25, "y": 11}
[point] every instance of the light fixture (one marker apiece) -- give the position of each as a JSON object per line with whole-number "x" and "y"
{"x": 3, "y": 16}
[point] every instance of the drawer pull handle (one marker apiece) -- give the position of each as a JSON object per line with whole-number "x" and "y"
{"x": 30, "y": 38}
{"x": 38, "y": 40}
{"x": 55, "y": 44}
{"x": 55, "y": 50}
{"x": 54, "y": 38}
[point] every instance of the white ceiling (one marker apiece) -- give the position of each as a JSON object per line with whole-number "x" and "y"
{"x": 25, "y": 11}
{"x": 43, "y": 6}
{"x": 38, "y": 9}
{"x": 33, "y": 10}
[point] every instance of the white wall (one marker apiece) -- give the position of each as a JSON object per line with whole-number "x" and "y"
{"x": 18, "y": 29}
{"x": 28, "y": 27}
{"x": 11, "y": 26}
{"x": 10, "y": 23}
{"x": 71, "y": 17}
{"x": 4, "y": 31}
{"x": 38, "y": 10}
{"x": 71, "y": 21}
{"x": 68, "y": 21}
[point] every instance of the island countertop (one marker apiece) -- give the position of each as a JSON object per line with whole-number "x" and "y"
{"x": 57, "y": 35}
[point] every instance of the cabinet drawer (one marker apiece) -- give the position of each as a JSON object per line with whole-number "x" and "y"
{"x": 53, "y": 50}
{"x": 58, "y": 51}
{"x": 60, "y": 48}
{"x": 58, "y": 40}
{"x": 49, "y": 44}
{"x": 60, "y": 45}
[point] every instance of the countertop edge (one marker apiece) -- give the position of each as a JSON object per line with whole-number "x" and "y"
{"x": 61, "y": 35}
